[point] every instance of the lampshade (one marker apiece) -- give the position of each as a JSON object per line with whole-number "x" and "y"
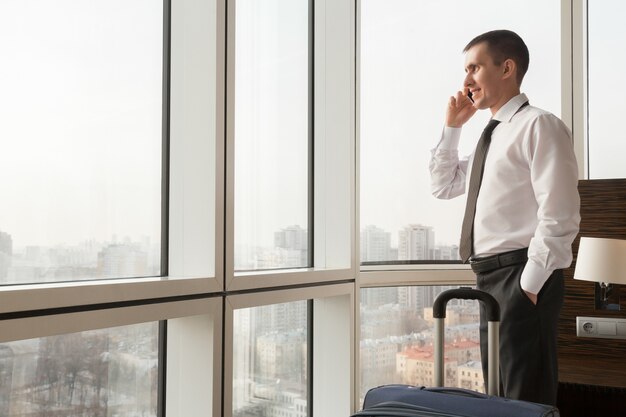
{"x": 601, "y": 260}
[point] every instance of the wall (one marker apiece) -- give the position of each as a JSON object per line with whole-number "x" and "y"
{"x": 592, "y": 372}
{"x": 603, "y": 214}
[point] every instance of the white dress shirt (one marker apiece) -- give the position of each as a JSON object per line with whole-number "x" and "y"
{"x": 528, "y": 195}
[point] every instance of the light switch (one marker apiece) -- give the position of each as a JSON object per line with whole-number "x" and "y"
{"x": 607, "y": 328}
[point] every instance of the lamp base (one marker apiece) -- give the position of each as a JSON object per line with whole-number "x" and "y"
{"x": 607, "y": 297}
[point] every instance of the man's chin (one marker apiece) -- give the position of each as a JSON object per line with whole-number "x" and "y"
{"x": 480, "y": 105}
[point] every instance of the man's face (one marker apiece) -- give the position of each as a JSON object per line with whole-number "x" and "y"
{"x": 483, "y": 78}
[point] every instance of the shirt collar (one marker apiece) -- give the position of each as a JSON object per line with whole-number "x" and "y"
{"x": 506, "y": 112}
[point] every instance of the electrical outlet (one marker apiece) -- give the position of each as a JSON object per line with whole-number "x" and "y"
{"x": 589, "y": 327}
{"x": 601, "y": 327}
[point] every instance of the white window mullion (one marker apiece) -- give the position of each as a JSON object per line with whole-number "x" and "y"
{"x": 196, "y": 129}
{"x": 194, "y": 363}
{"x": 574, "y": 33}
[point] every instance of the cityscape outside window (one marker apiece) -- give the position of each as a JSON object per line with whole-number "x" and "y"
{"x": 110, "y": 372}
{"x": 81, "y": 109}
{"x": 406, "y": 79}
{"x": 271, "y": 134}
{"x": 270, "y": 361}
{"x": 397, "y": 339}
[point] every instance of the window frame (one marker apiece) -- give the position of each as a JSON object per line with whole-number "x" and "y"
{"x": 192, "y": 298}
{"x": 181, "y": 294}
{"x": 177, "y": 224}
{"x": 331, "y": 381}
{"x": 575, "y": 80}
{"x": 333, "y": 181}
{"x": 579, "y": 80}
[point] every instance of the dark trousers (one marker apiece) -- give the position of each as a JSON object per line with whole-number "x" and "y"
{"x": 528, "y": 334}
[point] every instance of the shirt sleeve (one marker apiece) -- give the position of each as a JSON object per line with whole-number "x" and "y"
{"x": 554, "y": 177}
{"x": 447, "y": 170}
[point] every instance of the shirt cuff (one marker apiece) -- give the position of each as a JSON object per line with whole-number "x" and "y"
{"x": 533, "y": 277}
{"x": 450, "y": 138}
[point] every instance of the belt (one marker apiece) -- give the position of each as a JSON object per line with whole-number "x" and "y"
{"x": 500, "y": 260}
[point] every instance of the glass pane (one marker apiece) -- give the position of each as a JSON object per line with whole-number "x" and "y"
{"x": 270, "y": 361}
{"x": 109, "y": 372}
{"x": 271, "y": 134}
{"x": 397, "y": 339}
{"x": 80, "y": 171}
{"x": 407, "y": 73}
{"x": 606, "y": 37}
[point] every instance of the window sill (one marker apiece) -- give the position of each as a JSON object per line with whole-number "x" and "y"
{"x": 33, "y": 297}
{"x": 267, "y": 279}
{"x": 426, "y": 275}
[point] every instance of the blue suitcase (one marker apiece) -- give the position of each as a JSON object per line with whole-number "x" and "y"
{"x": 410, "y": 401}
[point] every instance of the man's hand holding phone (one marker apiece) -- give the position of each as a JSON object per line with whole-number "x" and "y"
{"x": 460, "y": 109}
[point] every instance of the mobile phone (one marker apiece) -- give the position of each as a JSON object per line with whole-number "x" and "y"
{"x": 469, "y": 95}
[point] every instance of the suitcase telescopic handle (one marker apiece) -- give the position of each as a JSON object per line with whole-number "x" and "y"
{"x": 492, "y": 309}
{"x": 491, "y": 305}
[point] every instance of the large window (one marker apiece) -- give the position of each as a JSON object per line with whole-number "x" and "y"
{"x": 272, "y": 134}
{"x": 411, "y": 62}
{"x": 270, "y": 360}
{"x": 80, "y": 172}
{"x": 177, "y": 138}
{"x": 84, "y": 97}
{"x": 94, "y": 373}
{"x": 605, "y": 41}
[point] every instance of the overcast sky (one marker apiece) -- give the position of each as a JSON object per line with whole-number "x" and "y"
{"x": 80, "y": 110}
{"x": 80, "y": 120}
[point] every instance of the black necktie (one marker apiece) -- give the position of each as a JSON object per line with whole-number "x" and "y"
{"x": 476, "y": 176}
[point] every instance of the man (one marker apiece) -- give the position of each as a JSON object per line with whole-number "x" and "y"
{"x": 522, "y": 210}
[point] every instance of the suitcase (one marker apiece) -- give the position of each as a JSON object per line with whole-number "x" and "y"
{"x": 410, "y": 401}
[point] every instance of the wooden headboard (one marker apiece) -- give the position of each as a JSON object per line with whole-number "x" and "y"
{"x": 603, "y": 214}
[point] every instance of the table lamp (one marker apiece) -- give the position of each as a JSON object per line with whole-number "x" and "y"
{"x": 604, "y": 262}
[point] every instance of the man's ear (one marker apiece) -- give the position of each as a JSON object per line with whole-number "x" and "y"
{"x": 509, "y": 68}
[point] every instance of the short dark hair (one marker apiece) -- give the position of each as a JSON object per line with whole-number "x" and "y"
{"x": 502, "y": 45}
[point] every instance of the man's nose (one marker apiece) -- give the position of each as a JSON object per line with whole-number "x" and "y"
{"x": 468, "y": 80}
